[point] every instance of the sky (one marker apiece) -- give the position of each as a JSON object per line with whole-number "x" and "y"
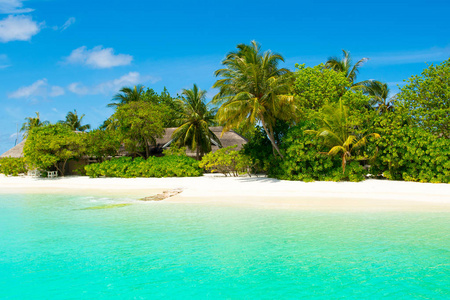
{"x": 58, "y": 56}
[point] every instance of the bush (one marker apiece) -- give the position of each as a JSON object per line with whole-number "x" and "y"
{"x": 167, "y": 166}
{"x": 227, "y": 161}
{"x": 411, "y": 153}
{"x": 12, "y": 166}
{"x": 303, "y": 160}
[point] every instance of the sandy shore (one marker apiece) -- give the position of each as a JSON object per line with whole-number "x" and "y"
{"x": 254, "y": 191}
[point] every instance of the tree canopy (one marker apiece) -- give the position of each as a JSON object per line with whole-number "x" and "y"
{"x": 195, "y": 118}
{"x": 139, "y": 123}
{"x": 254, "y": 89}
{"x": 53, "y": 146}
{"x": 426, "y": 99}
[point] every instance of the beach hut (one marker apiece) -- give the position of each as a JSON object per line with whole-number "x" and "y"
{"x": 15, "y": 152}
{"x": 229, "y": 138}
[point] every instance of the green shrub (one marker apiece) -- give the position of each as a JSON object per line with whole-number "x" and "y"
{"x": 12, "y": 166}
{"x": 167, "y": 166}
{"x": 304, "y": 160}
{"x": 410, "y": 153}
{"x": 227, "y": 161}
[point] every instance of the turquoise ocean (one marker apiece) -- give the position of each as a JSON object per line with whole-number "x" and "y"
{"x": 91, "y": 247}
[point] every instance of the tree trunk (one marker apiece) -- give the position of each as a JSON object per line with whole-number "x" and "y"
{"x": 146, "y": 148}
{"x": 271, "y": 137}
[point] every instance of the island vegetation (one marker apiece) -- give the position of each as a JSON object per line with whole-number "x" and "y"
{"x": 311, "y": 123}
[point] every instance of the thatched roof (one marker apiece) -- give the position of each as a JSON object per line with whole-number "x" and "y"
{"x": 16, "y": 151}
{"x": 229, "y": 138}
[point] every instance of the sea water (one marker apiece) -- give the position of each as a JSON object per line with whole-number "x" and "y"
{"x": 80, "y": 247}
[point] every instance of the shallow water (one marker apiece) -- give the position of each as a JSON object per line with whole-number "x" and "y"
{"x": 72, "y": 247}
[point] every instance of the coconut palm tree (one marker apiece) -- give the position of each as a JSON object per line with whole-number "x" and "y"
{"x": 195, "y": 117}
{"x": 74, "y": 122}
{"x": 337, "y": 133}
{"x": 253, "y": 89}
{"x": 32, "y": 123}
{"x": 127, "y": 95}
{"x": 378, "y": 93}
{"x": 345, "y": 65}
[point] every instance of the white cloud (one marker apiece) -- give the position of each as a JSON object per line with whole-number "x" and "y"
{"x": 111, "y": 86}
{"x": 38, "y": 89}
{"x": 18, "y": 28}
{"x": 98, "y": 57}
{"x": 69, "y": 22}
{"x": 78, "y": 88}
{"x": 56, "y": 91}
{"x": 419, "y": 56}
{"x": 13, "y": 7}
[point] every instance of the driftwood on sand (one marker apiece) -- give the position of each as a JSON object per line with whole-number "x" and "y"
{"x": 163, "y": 195}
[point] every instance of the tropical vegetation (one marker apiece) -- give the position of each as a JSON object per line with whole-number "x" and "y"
{"x": 195, "y": 118}
{"x": 312, "y": 123}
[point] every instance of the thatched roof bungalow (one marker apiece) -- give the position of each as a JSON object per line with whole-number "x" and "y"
{"x": 15, "y": 152}
{"x": 229, "y": 138}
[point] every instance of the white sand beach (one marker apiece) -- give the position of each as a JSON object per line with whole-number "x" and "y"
{"x": 264, "y": 192}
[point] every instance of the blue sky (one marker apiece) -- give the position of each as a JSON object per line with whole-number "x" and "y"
{"x": 61, "y": 55}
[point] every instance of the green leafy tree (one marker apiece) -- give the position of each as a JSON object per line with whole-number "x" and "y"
{"x": 196, "y": 118}
{"x": 425, "y": 98}
{"x": 345, "y": 66}
{"x": 337, "y": 133}
{"x": 139, "y": 124}
{"x": 316, "y": 86}
{"x": 32, "y": 123}
{"x": 409, "y": 152}
{"x": 253, "y": 89}
{"x": 102, "y": 144}
{"x": 52, "y": 146}
{"x": 172, "y": 104}
{"x": 73, "y": 121}
{"x": 128, "y": 95}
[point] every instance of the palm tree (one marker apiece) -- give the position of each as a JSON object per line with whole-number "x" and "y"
{"x": 253, "y": 89}
{"x": 74, "y": 122}
{"x": 337, "y": 133}
{"x": 195, "y": 117}
{"x": 345, "y": 65}
{"x": 128, "y": 95}
{"x": 32, "y": 123}
{"x": 378, "y": 93}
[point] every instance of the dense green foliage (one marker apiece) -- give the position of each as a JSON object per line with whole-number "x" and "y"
{"x": 12, "y": 166}
{"x": 337, "y": 133}
{"x": 166, "y": 166}
{"x": 139, "y": 124}
{"x": 316, "y": 86}
{"x": 306, "y": 160}
{"x": 227, "y": 161}
{"x": 52, "y": 146}
{"x": 102, "y": 144}
{"x": 195, "y": 118}
{"x": 410, "y": 153}
{"x": 426, "y": 97}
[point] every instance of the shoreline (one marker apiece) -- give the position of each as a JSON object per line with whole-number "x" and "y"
{"x": 370, "y": 195}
